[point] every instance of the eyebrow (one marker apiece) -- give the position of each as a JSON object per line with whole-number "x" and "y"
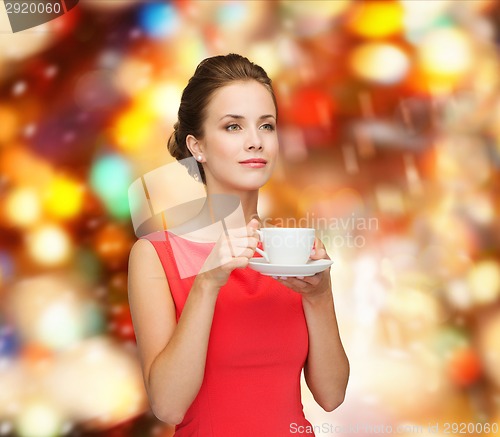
{"x": 238, "y": 117}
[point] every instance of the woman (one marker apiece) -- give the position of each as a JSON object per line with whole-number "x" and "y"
{"x": 222, "y": 351}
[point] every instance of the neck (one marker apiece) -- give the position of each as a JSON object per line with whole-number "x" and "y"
{"x": 244, "y": 201}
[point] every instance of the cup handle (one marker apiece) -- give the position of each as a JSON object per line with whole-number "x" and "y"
{"x": 264, "y": 254}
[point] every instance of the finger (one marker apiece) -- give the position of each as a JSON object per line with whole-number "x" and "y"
{"x": 235, "y": 263}
{"x": 247, "y": 253}
{"x": 314, "y": 280}
{"x": 254, "y": 224}
{"x": 241, "y": 262}
{"x": 242, "y": 231}
{"x": 241, "y": 244}
{"x": 297, "y": 283}
{"x": 318, "y": 251}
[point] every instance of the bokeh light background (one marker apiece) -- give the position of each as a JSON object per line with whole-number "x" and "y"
{"x": 389, "y": 131}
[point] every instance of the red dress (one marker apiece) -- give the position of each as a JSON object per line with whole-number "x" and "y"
{"x": 257, "y": 348}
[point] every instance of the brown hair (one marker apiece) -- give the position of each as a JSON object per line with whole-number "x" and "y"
{"x": 210, "y": 75}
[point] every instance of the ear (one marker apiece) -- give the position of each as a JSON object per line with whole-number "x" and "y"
{"x": 194, "y": 146}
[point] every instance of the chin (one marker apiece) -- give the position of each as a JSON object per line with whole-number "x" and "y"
{"x": 255, "y": 183}
{"x": 249, "y": 187}
{"x": 244, "y": 182}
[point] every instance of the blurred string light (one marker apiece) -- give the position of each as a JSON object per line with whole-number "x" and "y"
{"x": 59, "y": 325}
{"x": 54, "y": 312}
{"x": 98, "y": 381}
{"x": 86, "y": 262}
{"x": 132, "y": 75}
{"x": 312, "y": 17}
{"x": 422, "y": 16}
{"x": 24, "y": 168}
{"x": 10, "y": 123}
{"x": 189, "y": 49}
{"x": 96, "y": 90}
{"x": 376, "y": 19}
{"x": 63, "y": 197}
{"x": 483, "y": 280}
{"x": 311, "y": 106}
{"x": 489, "y": 344}
{"x": 39, "y": 418}
{"x": 7, "y": 267}
{"x": 464, "y": 367}
{"x": 159, "y": 20}
{"x": 110, "y": 178}
{"x": 155, "y": 106}
{"x": 460, "y": 359}
{"x": 390, "y": 199}
{"x": 458, "y": 294}
{"x": 121, "y": 322}
{"x": 232, "y": 14}
{"x": 264, "y": 54}
{"x": 132, "y": 130}
{"x": 23, "y": 207}
{"x": 112, "y": 244}
{"x": 49, "y": 245}
{"x": 408, "y": 383}
{"x": 479, "y": 207}
{"x": 447, "y": 339}
{"x": 415, "y": 307}
{"x": 9, "y": 343}
{"x": 462, "y": 160}
{"x": 110, "y": 6}
{"x": 12, "y": 381}
{"x": 445, "y": 56}
{"x": 162, "y": 100}
{"x": 235, "y": 20}
{"x": 380, "y": 63}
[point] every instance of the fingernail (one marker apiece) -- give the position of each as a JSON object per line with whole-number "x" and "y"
{"x": 313, "y": 252}
{"x": 300, "y": 277}
{"x": 274, "y": 277}
{"x": 283, "y": 278}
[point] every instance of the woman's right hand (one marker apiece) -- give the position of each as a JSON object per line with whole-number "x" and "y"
{"x": 229, "y": 253}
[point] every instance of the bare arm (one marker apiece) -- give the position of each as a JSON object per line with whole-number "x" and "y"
{"x": 173, "y": 355}
{"x": 327, "y": 368}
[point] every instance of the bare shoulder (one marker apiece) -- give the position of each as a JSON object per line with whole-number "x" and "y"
{"x": 142, "y": 247}
{"x": 144, "y": 266}
{"x": 142, "y": 254}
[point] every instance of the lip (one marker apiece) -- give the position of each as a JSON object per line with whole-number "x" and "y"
{"x": 254, "y": 163}
{"x": 254, "y": 160}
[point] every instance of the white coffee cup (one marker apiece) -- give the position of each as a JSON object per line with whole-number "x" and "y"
{"x": 286, "y": 246}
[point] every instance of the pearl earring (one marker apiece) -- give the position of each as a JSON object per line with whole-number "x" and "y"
{"x": 199, "y": 157}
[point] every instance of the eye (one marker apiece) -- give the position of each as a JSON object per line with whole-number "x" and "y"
{"x": 268, "y": 127}
{"x": 233, "y": 127}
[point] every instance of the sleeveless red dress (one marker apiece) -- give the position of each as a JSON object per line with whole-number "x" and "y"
{"x": 257, "y": 348}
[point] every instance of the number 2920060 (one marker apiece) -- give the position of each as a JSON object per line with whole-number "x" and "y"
{"x": 33, "y": 8}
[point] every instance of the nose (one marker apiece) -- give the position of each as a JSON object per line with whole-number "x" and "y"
{"x": 254, "y": 141}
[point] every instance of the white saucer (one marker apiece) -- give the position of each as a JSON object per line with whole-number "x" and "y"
{"x": 310, "y": 268}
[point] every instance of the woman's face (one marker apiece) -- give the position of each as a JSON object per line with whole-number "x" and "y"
{"x": 240, "y": 126}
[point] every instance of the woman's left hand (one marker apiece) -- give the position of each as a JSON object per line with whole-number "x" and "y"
{"x": 310, "y": 286}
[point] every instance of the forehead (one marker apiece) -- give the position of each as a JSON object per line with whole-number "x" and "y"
{"x": 242, "y": 98}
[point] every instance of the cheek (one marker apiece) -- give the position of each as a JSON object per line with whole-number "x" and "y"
{"x": 273, "y": 148}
